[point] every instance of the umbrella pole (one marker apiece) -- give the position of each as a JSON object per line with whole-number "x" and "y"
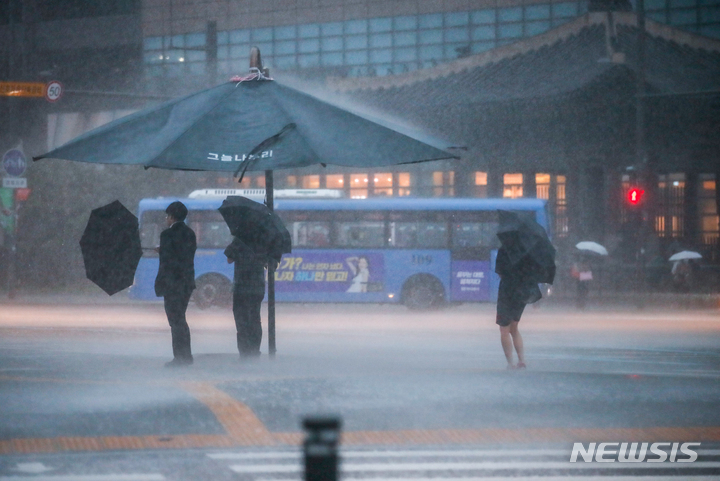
{"x": 271, "y": 272}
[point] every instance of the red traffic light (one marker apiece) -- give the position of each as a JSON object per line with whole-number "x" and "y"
{"x": 635, "y": 195}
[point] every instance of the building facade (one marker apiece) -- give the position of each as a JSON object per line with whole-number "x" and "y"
{"x": 116, "y": 56}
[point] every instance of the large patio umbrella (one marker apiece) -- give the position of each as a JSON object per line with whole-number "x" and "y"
{"x": 250, "y": 123}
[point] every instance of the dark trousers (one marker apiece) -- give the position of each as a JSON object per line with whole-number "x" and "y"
{"x": 175, "y": 307}
{"x": 583, "y": 288}
{"x": 246, "y": 310}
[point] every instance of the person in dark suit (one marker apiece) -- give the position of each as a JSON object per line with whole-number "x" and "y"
{"x": 175, "y": 280}
{"x": 248, "y": 294}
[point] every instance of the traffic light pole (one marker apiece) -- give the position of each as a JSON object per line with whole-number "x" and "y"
{"x": 644, "y": 174}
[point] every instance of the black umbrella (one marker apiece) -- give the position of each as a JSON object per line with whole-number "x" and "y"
{"x": 528, "y": 246}
{"x": 111, "y": 247}
{"x": 257, "y": 226}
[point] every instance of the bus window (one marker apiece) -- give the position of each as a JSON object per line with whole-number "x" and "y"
{"x": 310, "y": 234}
{"x": 360, "y": 234}
{"x": 210, "y": 228}
{"x": 475, "y": 234}
{"x": 151, "y": 225}
{"x": 432, "y": 235}
{"x": 429, "y": 235}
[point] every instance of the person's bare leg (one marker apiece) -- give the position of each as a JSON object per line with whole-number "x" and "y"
{"x": 507, "y": 344}
{"x": 517, "y": 342}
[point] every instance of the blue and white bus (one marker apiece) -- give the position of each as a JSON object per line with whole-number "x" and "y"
{"x": 418, "y": 251}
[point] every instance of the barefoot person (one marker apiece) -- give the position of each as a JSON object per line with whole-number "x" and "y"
{"x": 517, "y": 289}
{"x": 526, "y": 259}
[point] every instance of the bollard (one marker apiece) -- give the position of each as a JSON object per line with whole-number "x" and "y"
{"x": 320, "y": 448}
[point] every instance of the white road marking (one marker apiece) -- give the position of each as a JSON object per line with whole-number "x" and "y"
{"x": 33, "y": 468}
{"x": 87, "y": 477}
{"x": 529, "y": 478}
{"x": 482, "y": 466}
{"x": 394, "y": 454}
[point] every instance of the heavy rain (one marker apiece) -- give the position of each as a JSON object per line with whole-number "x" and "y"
{"x": 320, "y": 239}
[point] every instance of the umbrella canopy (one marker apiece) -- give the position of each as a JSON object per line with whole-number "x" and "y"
{"x": 111, "y": 247}
{"x": 593, "y": 247}
{"x": 527, "y": 245}
{"x": 256, "y": 225}
{"x": 685, "y": 255}
{"x": 256, "y": 124}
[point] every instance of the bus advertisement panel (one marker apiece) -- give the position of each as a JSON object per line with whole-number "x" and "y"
{"x": 417, "y": 251}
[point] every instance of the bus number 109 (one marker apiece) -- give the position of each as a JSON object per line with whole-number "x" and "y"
{"x": 421, "y": 260}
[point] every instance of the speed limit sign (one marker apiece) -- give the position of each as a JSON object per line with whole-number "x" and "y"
{"x": 53, "y": 91}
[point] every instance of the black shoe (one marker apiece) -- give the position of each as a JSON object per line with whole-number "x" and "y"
{"x": 179, "y": 362}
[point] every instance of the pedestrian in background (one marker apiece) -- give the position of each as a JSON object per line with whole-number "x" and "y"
{"x": 582, "y": 273}
{"x": 248, "y": 294}
{"x": 175, "y": 280}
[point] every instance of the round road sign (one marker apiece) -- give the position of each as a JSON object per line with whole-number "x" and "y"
{"x": 53, "y": 91}
{"x": 14, "y": 162}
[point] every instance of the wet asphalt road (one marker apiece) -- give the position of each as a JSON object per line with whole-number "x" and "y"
{"x": 84, "y": 378}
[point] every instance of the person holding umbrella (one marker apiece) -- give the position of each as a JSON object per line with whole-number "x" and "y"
{"x": 175, "y": 280}
{"x": 259, "y": 238}
{"x": 525, "y": 259}
{"x": 248, "y": 294}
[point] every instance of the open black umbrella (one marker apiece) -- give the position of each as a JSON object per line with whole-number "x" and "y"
{"x": 111, "y": 247}
{"x": 528, "y": 246}
{"x": 257, "y": 226}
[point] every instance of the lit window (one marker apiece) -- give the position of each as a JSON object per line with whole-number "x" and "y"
{"x": 561, "y": 217}
{"x": 383, "y": 184}
{"x": 311, "y": 182}
{"x": 707, "y": 209}
{"x": 358, "y": 186}
{"x": 481, "y": 179}
{"x": 542, "y": 186}
{"x": 404, "y": 183}
{"x": 443, "y": 183}
{"x": 336, "y": 181}
{"x": 512, "y": 186}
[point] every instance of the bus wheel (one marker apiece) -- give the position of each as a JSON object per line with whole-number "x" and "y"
{"x": 422, "y": 292}
{"x": 212, "y": 289}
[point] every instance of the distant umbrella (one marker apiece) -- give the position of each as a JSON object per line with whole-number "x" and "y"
{"x": 256, "y": 225}
{"x": 593, "y": 247}
{"x": 527, "y": 245}
{"x": 111, "y": 247}
{"x": 685, "y": 255}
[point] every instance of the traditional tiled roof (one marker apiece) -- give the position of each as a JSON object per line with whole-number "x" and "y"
{"x": 566, "y": 94}
{"x": 562, "y": 60}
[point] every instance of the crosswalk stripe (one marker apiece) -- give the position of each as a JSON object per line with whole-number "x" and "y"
{"x": 527, "y": 478}
{"x": 481, "y": 466}
{"x": 517, "y": 466}
{"x": 396, "y": 454}
{"x": 88, "y": 477}
{"x": 410, "y": 454}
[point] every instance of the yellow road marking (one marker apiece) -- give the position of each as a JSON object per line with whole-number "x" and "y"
{"x": 244, "y": 428}
{"x": 238, "y": 420}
